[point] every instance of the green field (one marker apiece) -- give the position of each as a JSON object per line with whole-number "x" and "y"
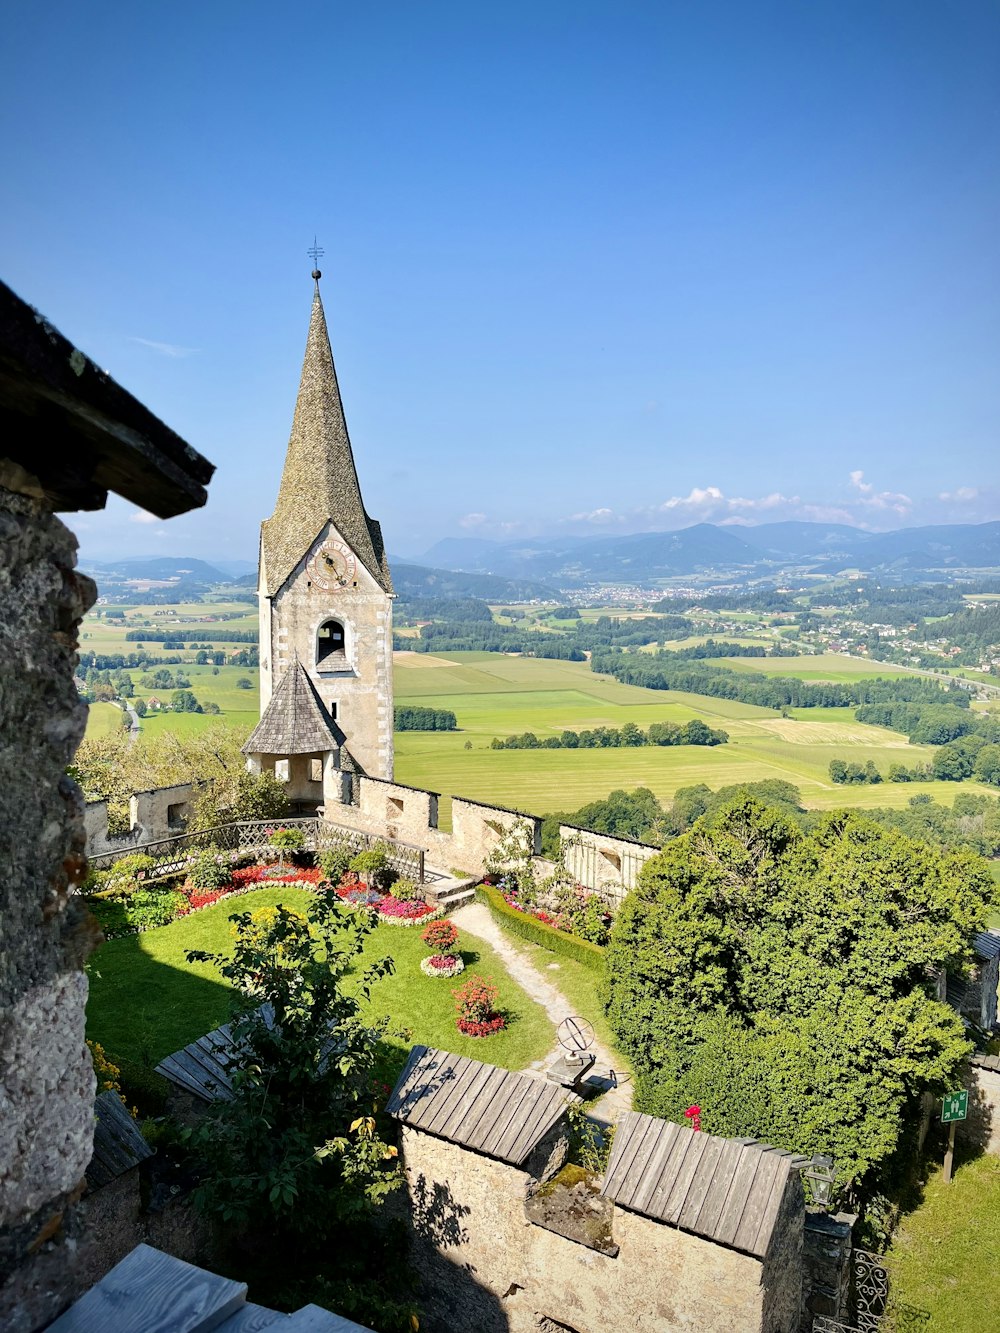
{"x": 104, "y": 720}
{"x": 817, "y": 666}
{"x": 496, "y": 695}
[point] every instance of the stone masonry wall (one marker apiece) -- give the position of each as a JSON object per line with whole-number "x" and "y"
{"x": 46, "y": 1078}
{"x": 152, "y": 814}
{"x": 486, "y": 1267}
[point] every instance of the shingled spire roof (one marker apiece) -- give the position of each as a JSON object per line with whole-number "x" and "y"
{"x": 295, "y": 721}
{"x": 320, "y": 482}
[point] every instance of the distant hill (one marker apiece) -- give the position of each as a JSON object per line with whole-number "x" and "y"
{"x": 731, "y": 551}
{"x": 414, "y": 582}
{"x": 185, "y": 568}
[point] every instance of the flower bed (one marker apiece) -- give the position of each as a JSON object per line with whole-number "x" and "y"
{"x": 485, "y": 1027}
{"x": 442, "y": 965}
{"x": 119, "y": 916}
{"x": 413, "y": 912}
{"x": 272, "y": 875}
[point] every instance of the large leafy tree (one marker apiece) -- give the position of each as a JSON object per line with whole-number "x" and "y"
{"x": 783, "y": 980}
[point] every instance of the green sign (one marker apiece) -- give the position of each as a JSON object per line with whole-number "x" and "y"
{"x": 954, "y": 1107}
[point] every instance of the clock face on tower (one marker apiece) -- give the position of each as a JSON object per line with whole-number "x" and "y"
{"x": 333, "y": 566}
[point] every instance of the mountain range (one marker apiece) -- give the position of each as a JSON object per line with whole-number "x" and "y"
{"x": 739, "y": 552}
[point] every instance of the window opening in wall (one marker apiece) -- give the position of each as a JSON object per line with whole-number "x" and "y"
{"x": 177, "y": 815}
{"x": 281, "y": 770}
{"x": 613, "y": 857}
{"x": 393, "y": 807}
{"x": 315, "y": 770}
{"x": 329, "y": 641}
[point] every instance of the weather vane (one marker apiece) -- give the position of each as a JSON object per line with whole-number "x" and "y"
{"x": 316, "y": 253}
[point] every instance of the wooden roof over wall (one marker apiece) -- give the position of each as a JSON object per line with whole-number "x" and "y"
{"x": 70, "y": 434}
{"x": 727, "y": 1190}
{"x": 118, "y": 1143}
{"x": 493, "y": 1111}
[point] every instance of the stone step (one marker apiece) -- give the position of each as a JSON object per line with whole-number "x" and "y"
{"x": 457, "y": 898}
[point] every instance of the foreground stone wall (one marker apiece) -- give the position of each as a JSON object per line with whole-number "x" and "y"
{"x": 46, "y": 1078}
{"x": 485, "y": 1267}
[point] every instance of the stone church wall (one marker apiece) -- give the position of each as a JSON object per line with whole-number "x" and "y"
{"x": 46, "y": 1078}
{"x": 486, "y": 1267}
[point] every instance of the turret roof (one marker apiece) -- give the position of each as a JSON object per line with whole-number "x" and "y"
{"x": 319, "y": 482}
{"x": 295, "y": 720}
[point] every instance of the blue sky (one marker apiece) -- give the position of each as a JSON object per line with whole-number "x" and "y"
{"x": 589, "y": 266}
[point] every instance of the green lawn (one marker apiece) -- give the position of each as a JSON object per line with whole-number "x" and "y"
{"x": 103, "y": 720}
{"x": 146, "y": 1000}
{"x": 944, "y": 1253}
{"x": 496, "y": 695}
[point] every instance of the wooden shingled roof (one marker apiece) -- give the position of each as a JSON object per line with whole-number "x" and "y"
{"x": 727, "y": 1190}
{"x": 496, "y": 1112}
{"x": 118, "y": 1144}
{"x": 295, "y": 720}
{"x": 204, "y": 1067}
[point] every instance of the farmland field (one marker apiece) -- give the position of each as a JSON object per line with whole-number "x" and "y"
{"x": 104, "y": 720}
{"x": 495, "y": 695}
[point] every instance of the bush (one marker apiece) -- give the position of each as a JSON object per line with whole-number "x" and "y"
{"x": 373, "y": 866}
{"x": 209, "y": 870}
{"x": 529, "y": 928}
{"x": 335, "y": 863}
{"x": 288, "y": 839}
{"x": 154, "y": 906}
{"x": 476, "y": 1003}
{"x": 440, "y": 937}
{"x": 405, "y": 890}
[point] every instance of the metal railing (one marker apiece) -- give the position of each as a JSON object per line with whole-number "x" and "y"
{"x": 172, "y": 856}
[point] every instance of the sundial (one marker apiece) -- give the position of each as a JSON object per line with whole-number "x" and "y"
{"x": 576, "y": 1036}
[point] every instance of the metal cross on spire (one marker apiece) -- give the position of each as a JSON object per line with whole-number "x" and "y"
{"x": 316, "y": 253}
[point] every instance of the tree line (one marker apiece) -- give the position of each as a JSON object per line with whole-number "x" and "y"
{"x": 669, "y": 671}
{"x": 408, "y": 718}
{"x": 694, "y": 732}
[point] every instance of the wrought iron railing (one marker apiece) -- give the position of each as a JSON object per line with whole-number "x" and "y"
{"x": 172, "y": 856}
{"x": 871, "y": 1309}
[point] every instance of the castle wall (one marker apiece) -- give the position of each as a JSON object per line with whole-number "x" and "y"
{"x": 608, "y": 865}
{"x": 46, "y": 1078}
{"x": 160, "y": 813}
{"x": 982, "y": 1128}
{"x": 357, "y": 688}
{"x": 486, "y": 1267}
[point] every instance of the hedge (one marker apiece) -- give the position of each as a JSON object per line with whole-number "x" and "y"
{"x": 537, "y": 932}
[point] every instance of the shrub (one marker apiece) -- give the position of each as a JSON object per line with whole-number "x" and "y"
{"x": 405, "y": 890}
{"x": 373, "y": 866}
{"x": 155, "y": 906}
{"x": 335, "y": 863}
{"x": 288, "y": 839}
{"x": 442, "y": 965}
{"x": 476, "y": 1003}
{"x": 209, "y": 870}
{"x": 529, "y": 928}
{"x": 441, "y": 937}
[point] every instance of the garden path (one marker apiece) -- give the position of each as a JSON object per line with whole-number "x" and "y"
{"x": 616, "y": 1097}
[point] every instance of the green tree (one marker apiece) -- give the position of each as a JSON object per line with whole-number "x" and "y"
{"x": 294, "y": 1165}
{"x": 780, "y": 979}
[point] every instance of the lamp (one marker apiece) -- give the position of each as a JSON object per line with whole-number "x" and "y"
{"x": 821, "y": 1175}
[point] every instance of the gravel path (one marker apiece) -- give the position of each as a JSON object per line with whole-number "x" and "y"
{"x": 615, "y": 1098}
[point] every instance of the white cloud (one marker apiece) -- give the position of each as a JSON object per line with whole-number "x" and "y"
{"x": 895, "y": 501}
{"x": 165, "y": 349}
{"x": 140, "y": 516}
{"x": 593, "y": 516}
{"x": 472, "y": 520}
{"x": 960, "y": 496}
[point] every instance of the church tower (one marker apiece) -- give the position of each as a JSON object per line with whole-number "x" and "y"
{"x": 325, "y": 603}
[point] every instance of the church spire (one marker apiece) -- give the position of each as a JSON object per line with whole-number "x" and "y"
{"x": 319, "y": 482}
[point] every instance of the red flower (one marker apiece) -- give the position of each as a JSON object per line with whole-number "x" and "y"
{"x": 693, "y": 1113}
